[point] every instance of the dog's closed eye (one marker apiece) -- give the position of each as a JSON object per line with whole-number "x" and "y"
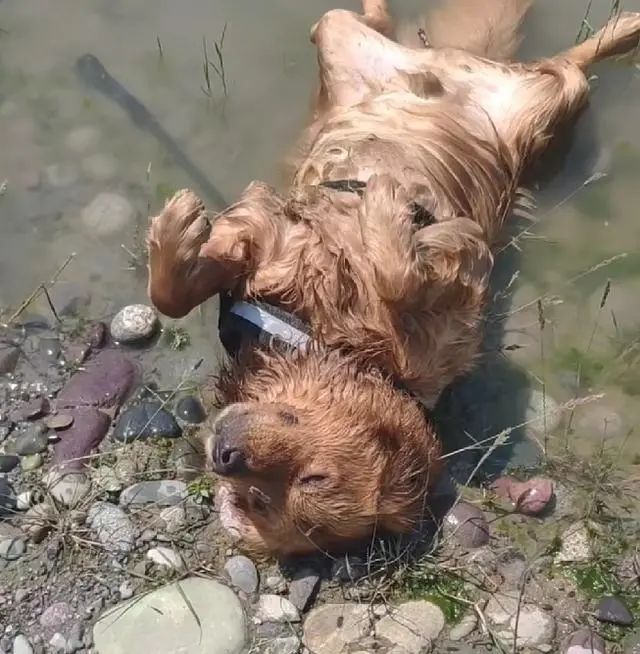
{"x": 313, "y": 480}
{"x": 288, "y": 418}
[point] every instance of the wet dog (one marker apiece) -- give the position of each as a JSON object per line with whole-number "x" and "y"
{"x": 370, "y": 272}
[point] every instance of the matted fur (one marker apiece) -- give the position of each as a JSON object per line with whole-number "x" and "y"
{"x": 334, "y": 451}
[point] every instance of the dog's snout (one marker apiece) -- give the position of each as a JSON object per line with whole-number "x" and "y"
{"x": 228, "y": 458}
{"x": 228, "y": 454}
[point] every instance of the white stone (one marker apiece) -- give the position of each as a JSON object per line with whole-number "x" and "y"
{"x": 24, "y": 500}
{"x": 67, "y": 488}
{"x": 58, "y": 643}
{"x": 163, "y": 622}
{"x": 331, "y": 628}
{"x": 166, "y": 557}
{"x": 21, "y": 645}
{"x": 466, "y": 626}
{"x": 273, "y": 608}
{"x": 534, "y": 626}
{"x": 575, "y": 545}
{"x": 133, "y": 323}
{"x": 412, "y": 625}
{"x": 174, "y": 518}
{"x": 542, "y": 411}
{"x": 82, "y": 139}
{"x": 108, "y": 213}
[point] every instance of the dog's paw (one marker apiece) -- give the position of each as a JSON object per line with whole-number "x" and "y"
{"x": 234, "y": 521}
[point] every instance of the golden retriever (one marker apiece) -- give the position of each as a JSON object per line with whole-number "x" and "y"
{"x": 382, "y": 247}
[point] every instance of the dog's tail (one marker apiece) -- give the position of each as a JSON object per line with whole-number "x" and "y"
{"x": 487, "y": 28}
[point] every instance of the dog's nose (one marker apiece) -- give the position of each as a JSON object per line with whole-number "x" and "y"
{"x": 228, "y": 458}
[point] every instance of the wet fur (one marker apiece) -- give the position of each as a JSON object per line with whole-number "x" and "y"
{"x": 452, "y": 128}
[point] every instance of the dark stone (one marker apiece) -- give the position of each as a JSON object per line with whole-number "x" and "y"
{"x": 31, "y": 441}
{"x": 30, "y": 410}
{"x": 96, "y": 335}
{"x": 105, "y": 382}
{"x": 190, "y": 410}
{"x": 7, "y": 497}
{"x": 89, "y": 427}
{"x": 9, "y": 356}
{"x": 146, "y": 420}
{"x": 50, "y": 349}
{"x": 8, "y": 462}
{"x": 304, "y": 588}
{"x": 612, "y": 609}
{"x": 468, "y": 525}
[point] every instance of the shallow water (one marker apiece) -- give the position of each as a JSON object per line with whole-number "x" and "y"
{"x": 62, "y": 144}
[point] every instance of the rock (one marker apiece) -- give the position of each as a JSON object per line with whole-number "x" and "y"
{"x": 542, "y": 411}
{"x": 125, "y": 590}
{"x": 164, "y": 493}
{"x": 105, "y": 381}
{"x": 276, "y": 583}
{"x": 134, "y": 323}
{"x": 100, "y": 167}
{"x": 287, "y": 645}
{"x": 8, "y": 462}
{"x": 9, "y": 356}
{"x": 31, "y": 462}
{"x": 112, "y": 527}
{"x": 81, "y": 139}
{"x": 190, "y": 410}
{"x": 165, "y": 557}
{"x": 613, "y": 610}
{"x": 273, "y": 608}
{"x": 12, "y": 548}
{"x": 575, "y": 545}
{"x": 528, "y": 497}
{"x": 7, "y": 497}
{"x": 31, "y": 441}
{"x": 585, "y": 641}
{"x": 30, "y": 410}
{"x": 50, "y": 349}
{"x": 59, "y": 421}
{"x": 465, "y": 627}
{"x": 88, "y": 429}
{"x": 61, "y": 175}
{"x": 412, "y": 625}
{"x": 162, "y": 621}
{"x": 38, "y": 520}
{"x": 534, "y": 627}
{"x": 242, "y": 573}
{"x": 68, "y": 488}
{"x": 147, "y": 420}
{"x": 24, "y": 500}
{"x": 75, "y": 638}
{"x": 334, "y": 628}
{"x": 303, "y": 589}
{"x": 468, "y": 525}
{"x": 56, "y": 615}
{"x": 21, "y": 645}
{"x": 108, "y": 214}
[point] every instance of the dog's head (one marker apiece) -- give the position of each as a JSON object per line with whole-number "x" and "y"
{"x": 317, "y": 455}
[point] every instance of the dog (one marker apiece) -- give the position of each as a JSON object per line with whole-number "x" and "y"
{"x": 355, "y": 297}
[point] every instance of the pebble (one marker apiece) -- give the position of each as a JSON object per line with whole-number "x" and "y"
{"x": 8, "y": 462}
{"x": 162, "y": 621}
{"x": 50, "y": 349}
{"x": 276, "y": 583}
{"x": 21, "y": 645}
{"x": 538, "y": 406}
{"x": 56, "y": 615}
{"x": 31, "y": 462}
{"x": 190, "y": 410}
{"x": 82, "y": 139}
{"x": 12, "y": 548}
{"x": 90, "y": 426}
{"x": 134, "y": 323}
{"x": 30, "y": 410}
{"x": 107, "y": 480}
{"x": 466, "y": 522}
{"x": 147, "y": 420}
{"x": 75, "y": 638}
{"x": 125, "y": 590}
{"x": 164, "y": 493}
{"x": 112, "y": 527}
{"x": 37, "y": 521}
{"x": 303, "y": 589}
{"x": 463, "y": 628}
{"x": 58, "y": 643}
{"x": 174, "y": 518}
{"x": 287, "y": 645}
{"x": 333, "y": 628}
{"x": 33, "y": 440}
{"x": 613, "y": 610}
{"x": 528, "y": 497}
{"x": 412, "y": 625}
{"x": 9, "y": 356}
{"x": 575, "y": 545}
{"x": 166, "y": 558}
{"x": 273, "y": 608}
{"x": 59, "y": 421}
{"x": 68, "y": 488}
{"x": 61, "y": 175}
{"x": 7, "y": 497}
{"x": 242, "y": 573}
{"x": 585, "y": 641}
{"x": 100, "y": 167}
{"x": 107, "y": 214}
{"x": 534, "y": 627}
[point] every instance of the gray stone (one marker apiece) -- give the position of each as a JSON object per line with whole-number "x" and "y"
{"x": 463, "y": 628}
{"x": 612, "y": 609}
{"x": 31, "y": 441}
{"x": 58, "y": 643}
{"x": 190, "y": 410}
{"x": 534, "y": 627}
{"x": 334, "y": 628}
{"x": 67, "y": 488}
{"x": 273, "y": 608}
{"x": 82, "y": 139}
{"x": 126, "y": 590}
{"x": 467, "y": 524}
{"x": 163, "y": 493}
{"x": 174, "y": 518}
{"x": 7, "y": 497}
{"x": 31, "y": 462}
{"x": 303, "y": 589}
{"x": 585, "y": 641}
{"x": 56, "y": 615}
{"x": 107, "y": 214}
{"x": 242, "y": 573}
{"x": 21, "y": 645}
{"x": 276, "y": 583}
{"x": 38, "y": 520}
{"x": 12, "y": 548}
{"x": 412, "y": 626}
{"x": 166, "y": 558}
{"x": 575, "y": 545}
{"x": 8, "y": 462}
{"x": 287, "y": 645}
{"x": 134, "y": 323}
{"x": 162, "y": 621}
{"x": 147, "y": 420}
{"x": 112, "y": 526}
{"x": 100, "y": 167}
{"x": 9, "y": 356}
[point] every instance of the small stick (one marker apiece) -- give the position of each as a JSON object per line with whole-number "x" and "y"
{"x": 159, "y": 46}
{"x": 41, "y": 288}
